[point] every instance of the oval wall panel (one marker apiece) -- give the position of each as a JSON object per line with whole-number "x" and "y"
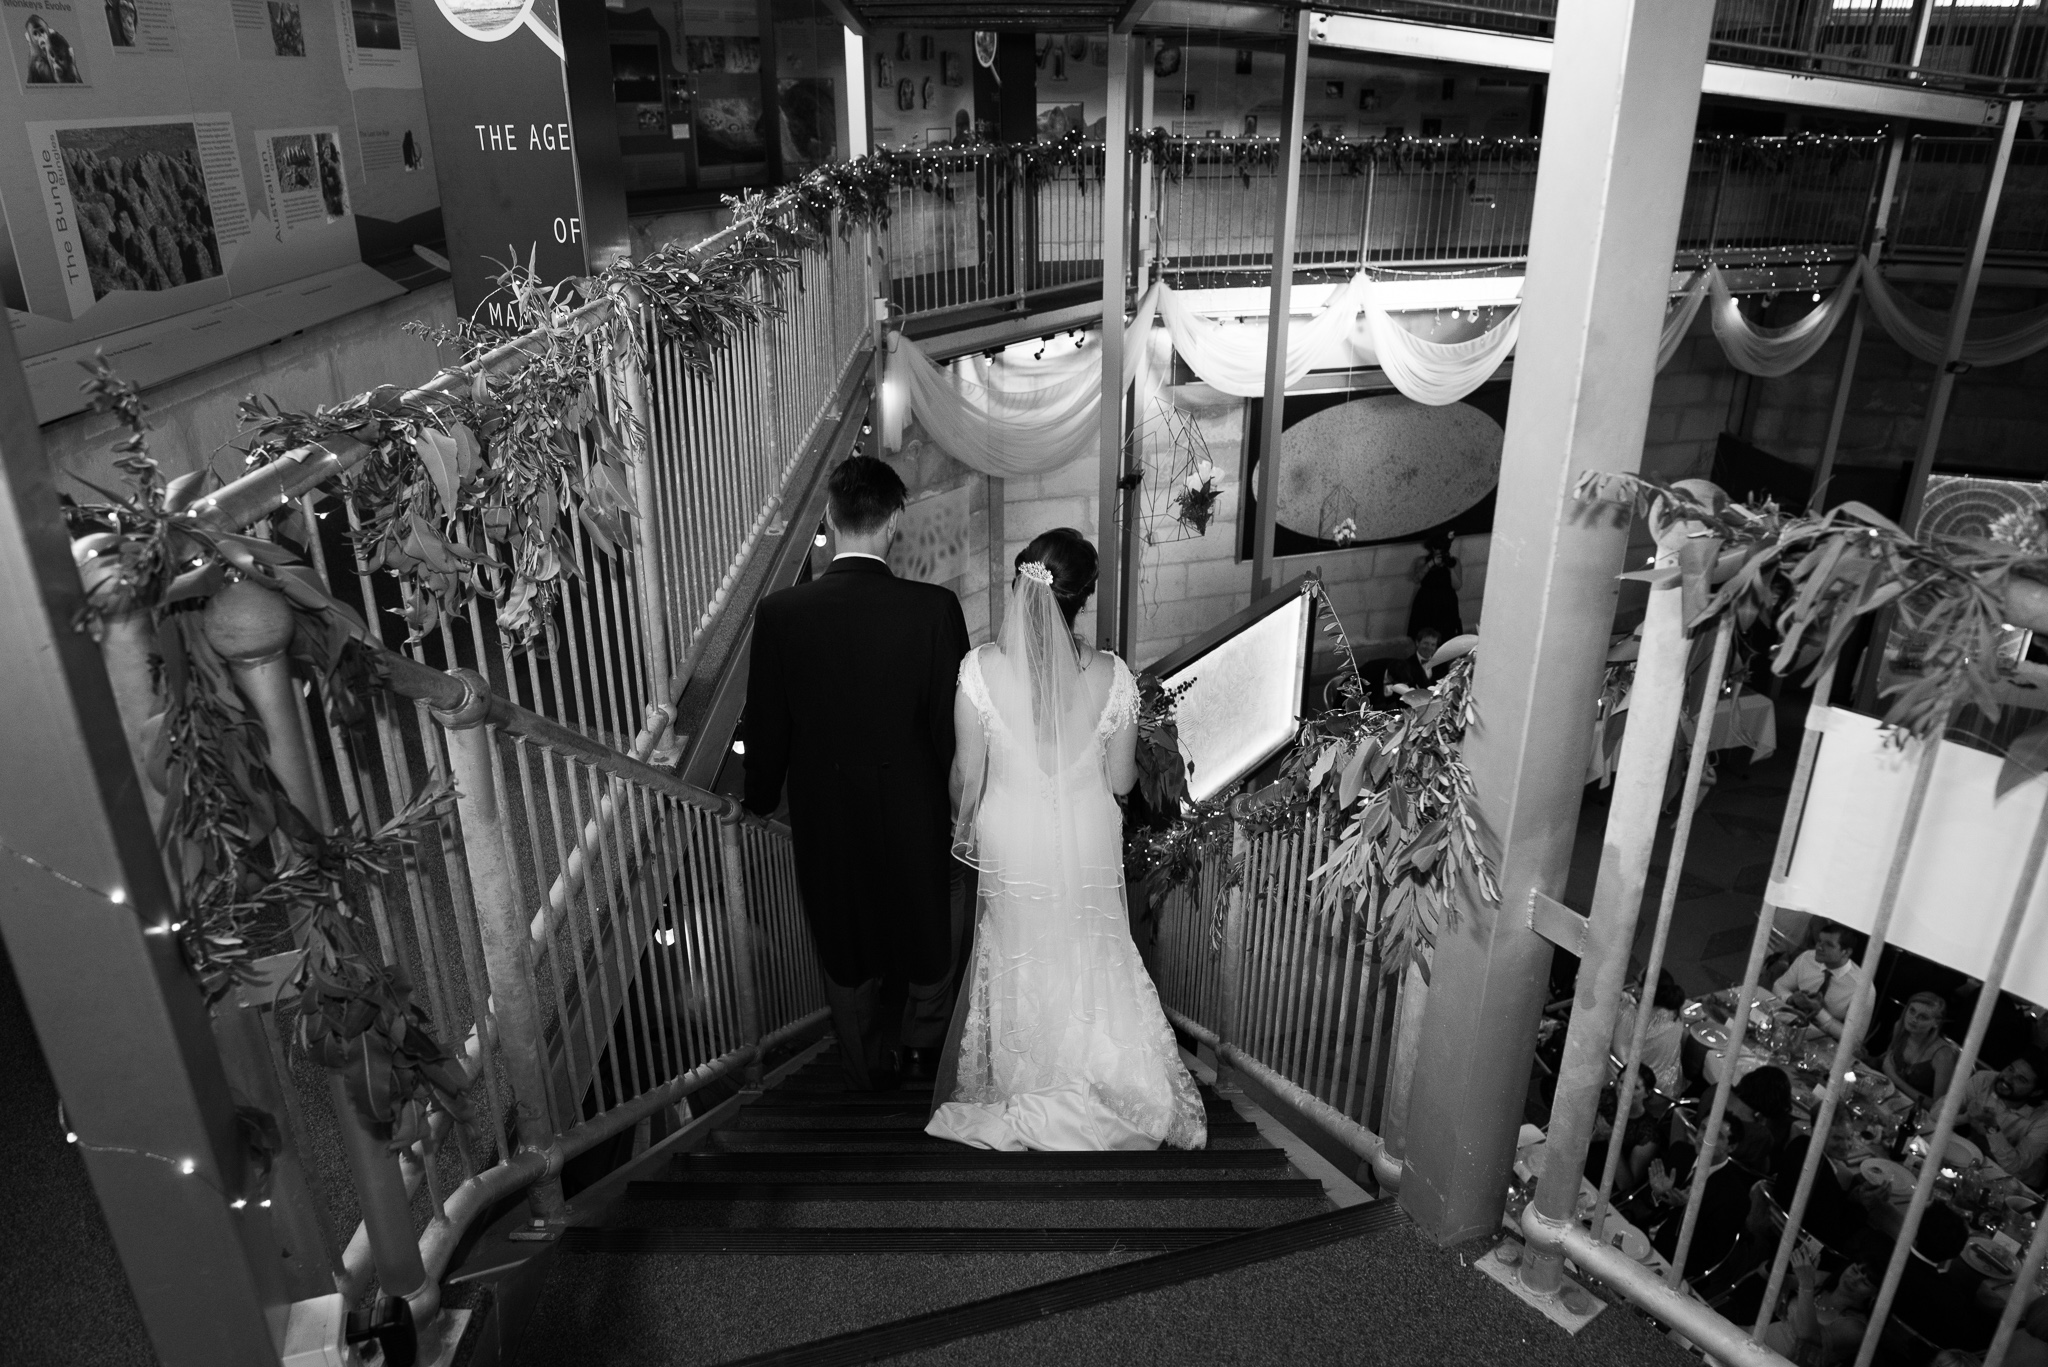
{"x": 1394, "y": 466}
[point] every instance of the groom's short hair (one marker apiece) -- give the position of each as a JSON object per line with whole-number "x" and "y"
{"x": 863, "y": 492}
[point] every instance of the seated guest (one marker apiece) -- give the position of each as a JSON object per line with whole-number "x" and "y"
{"x": 1937, "y": 1296}
{"x": 1920, "y": 1060}
{"x": 1824, "y": 1328}
{"x": 1390, "y": 680}
{"x": 1642, "y": 1137}
{"x": 1826, "y": 980}
{"x": 1663, "y": 1039}
{"x": 2005, "y": 1110}
{"x": 1741, "y": 1160}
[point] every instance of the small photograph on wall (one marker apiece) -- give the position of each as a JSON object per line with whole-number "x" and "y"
{"x": 949, "y": 68}
{"x": 1251, "y": 125}
{"x": 1377, "y": 468}
{"x": 1368, "y": 98}
{"x": 1188, "y": 102}
{"x": 1056, "y": 121}
{"x": 927, "y": 48}
{"x": 1333, "y": 90}
{"x": 1098, "y": 52}
{"x": 1243, "y": 65}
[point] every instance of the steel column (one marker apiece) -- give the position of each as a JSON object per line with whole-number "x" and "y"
{"x": 1286, "y": 224}
{"x": 504, "y": 930}
{"x": 1603, "y": 231}
{"x": 86, "y": 911}
{"x": 1959, "y": 320}
{"x": 1115, "y": 247}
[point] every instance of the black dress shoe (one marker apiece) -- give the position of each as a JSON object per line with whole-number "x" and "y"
{"x": 919, "y": 1065}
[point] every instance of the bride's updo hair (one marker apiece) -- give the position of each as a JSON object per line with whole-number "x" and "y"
{"x": 1071, "y": 559}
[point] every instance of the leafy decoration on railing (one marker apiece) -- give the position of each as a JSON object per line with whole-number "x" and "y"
{"x": 253, "y": 875}
{"x": 1818, "y": 575}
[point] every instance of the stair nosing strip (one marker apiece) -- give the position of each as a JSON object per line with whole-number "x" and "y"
{"x": 906, "y": 1239}
{"x": 1265, "y": 1189}
{"x": 880, "y": 1157}
{"x": 917, "y": 1333}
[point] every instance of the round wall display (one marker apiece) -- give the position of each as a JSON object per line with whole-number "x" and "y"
{"x": 1390, "y": 465}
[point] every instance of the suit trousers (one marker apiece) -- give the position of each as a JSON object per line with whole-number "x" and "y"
{"x": 858, "y": 1009}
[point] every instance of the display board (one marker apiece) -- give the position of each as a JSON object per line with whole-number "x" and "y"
{"x": 193, "y": 180}
{"x": 1245, "y": 685}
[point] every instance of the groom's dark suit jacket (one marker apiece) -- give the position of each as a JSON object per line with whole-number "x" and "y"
{"x": 850, "y": 701}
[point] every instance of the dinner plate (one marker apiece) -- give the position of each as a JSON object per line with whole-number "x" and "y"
{"x": 1989, "y": 1260}
{"x": 1961, "y": 1152}
{"x": 1883, "y": 1172}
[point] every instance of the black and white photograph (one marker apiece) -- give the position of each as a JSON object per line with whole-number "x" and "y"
{"x": 123, "y": 23}
{"x": 144, "y": 215}
{"x": 287, "y": 29}
{"x": 296, "y": 163}
{"x": 1241, "y": 61}
{"x": 375, "y": 23}
{"x": 333, "y": 184}
{"x": 949, "y": 68}
{"x": 49, "y": 59}
{"x": 483, "y": 18}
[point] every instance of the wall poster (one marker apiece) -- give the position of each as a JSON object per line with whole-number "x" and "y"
{"x": 193, "y": 181}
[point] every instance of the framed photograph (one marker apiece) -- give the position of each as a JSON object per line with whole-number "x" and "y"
{"x": 1244, "y": 61}
{"x": 1055, "y": 121}
{"x": 1188, "y": 102}
{"x": 1368, "y": 98}
{"x": 949, "y": 68}
{"x": 1251, "y": 125}
{"x": 1333, "y": 90}
{"x": 927, "y": 48}
{"x": 1098, "y": 52}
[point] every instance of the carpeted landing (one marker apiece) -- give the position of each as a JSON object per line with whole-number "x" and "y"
{"x": 825, "y": 1227}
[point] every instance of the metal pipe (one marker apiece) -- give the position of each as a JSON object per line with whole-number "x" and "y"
{"x": 1286, "y": 223}
{"x": 1386, "y": 1169}
{"x": 1231, "y": 1019}
{"x": 739, "y": 927}
{"x": 1707, "y": 1329}
{"x": 1660, "y": 936}
{"x": 568, "y": 884}
{"x": 1873, "y": 251}
{"x": 1646, "y": 745}
{"x": 1109, "y": 596}
{"x": 1952, "y": 1102}
{"x": 507, "y": 944}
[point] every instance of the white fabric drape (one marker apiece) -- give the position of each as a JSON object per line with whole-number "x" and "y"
{"x": 1678, "y": 321}
{"x": 1771, "y": 352}
{"x": 1435, "y": 373}
{"x": 1014, "y": 416}
{"x": 1232, "y": 358}
{"x": 1923, "y": 334}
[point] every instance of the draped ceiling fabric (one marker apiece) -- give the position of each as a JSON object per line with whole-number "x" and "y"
{"x": 1232, "y": 358}
{"x": 1678, "y": 321}
{"x": 1013, "y": 416}
{"x": 1436, "y": 373}
{"x": 1923, "y": 334}
{"x": 1771, "y": 352}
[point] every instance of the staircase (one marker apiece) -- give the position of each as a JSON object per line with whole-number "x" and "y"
{"x": 817, "y": 1226}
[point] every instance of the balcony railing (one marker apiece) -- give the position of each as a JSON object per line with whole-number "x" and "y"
{"x": 1985, "y": 47}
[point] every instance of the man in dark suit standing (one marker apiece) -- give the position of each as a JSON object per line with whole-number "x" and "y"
{"x": 850, "y": 701}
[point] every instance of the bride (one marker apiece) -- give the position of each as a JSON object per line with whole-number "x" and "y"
{"x": 1058, "y": 1041}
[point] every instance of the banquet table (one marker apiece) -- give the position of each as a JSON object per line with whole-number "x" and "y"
{"x": 1743, "y": 720}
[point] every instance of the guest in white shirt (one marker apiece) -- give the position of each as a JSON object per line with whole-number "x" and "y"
{"x": 2007, "y": 1112}
{"x": 1663, "y": 1036}
{"x": 1825, "y": 980}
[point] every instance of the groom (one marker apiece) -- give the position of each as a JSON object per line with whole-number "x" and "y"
{"x": 850, "y": 701}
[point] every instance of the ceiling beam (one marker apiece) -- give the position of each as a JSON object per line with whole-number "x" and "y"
{"x": 845, "y": 14}
{"x": 1507, "y": 52}
{"x": 1128, "y": 17}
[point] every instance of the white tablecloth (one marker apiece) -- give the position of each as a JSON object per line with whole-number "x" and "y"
{"x": 1745, "y": 721}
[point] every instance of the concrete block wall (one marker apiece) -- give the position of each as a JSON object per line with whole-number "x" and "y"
{"x": 193, "y": 418}
{"x": 926, "y": 470}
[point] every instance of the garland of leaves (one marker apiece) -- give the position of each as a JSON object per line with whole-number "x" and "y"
{"x": 253, "y": 874}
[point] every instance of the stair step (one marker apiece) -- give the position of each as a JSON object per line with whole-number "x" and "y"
{"x": 1035, "y": 1303}
{"x": 906, "y": 1136}
{"x": 795, "y": 1110}
{"x": 938, "y": 1240}
{"x": 1214, "y": 1189}
{"x": 972, "y": 1160}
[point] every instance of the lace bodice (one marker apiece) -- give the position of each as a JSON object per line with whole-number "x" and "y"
{"x": 1119, "y": 708}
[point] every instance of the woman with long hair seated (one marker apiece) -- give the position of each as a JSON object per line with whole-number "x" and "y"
{"x": 1920, "y": 1060}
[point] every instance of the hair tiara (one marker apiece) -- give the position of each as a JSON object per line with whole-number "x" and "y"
{"x": 1037, "y": 571}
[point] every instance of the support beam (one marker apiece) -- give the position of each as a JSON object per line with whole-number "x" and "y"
{"x": 1138, "y": 86}
{"x": 1286, "y": 221}
{"x": 1609, "y": 187}
{"x": 86, "y": 912}
{"x": 1959, "y": 321}
{"x": 1873, "y": 251}
{"x": 1115, "y": 248}
{"x": 1471, "y": 47}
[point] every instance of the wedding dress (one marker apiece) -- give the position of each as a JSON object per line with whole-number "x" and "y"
{"x": 1058, "y": 1041}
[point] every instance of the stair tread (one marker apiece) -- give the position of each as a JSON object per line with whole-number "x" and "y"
{"x": 1237, "y": 1129}
{"x": 1208, "y": 1189}
{"x": 945, "y": 1239}
{"x": 999, "y": 1208}
{"x": 974, "y": 1160}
